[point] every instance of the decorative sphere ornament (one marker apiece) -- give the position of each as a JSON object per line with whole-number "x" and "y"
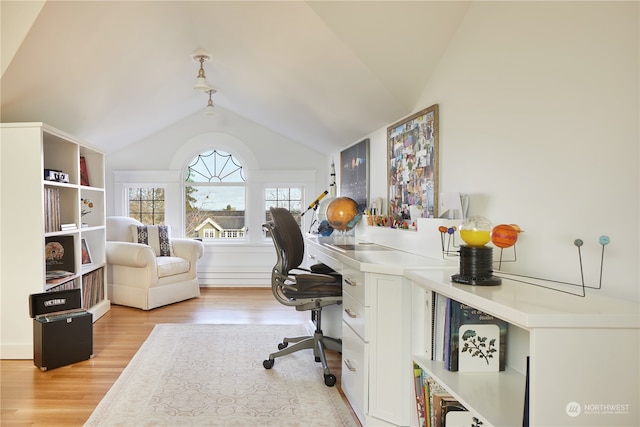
{"x": 504, "y": 235}
{"x": 342, "y": 213}
{"x": 475, "y": 231}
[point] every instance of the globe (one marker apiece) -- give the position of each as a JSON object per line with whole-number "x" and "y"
{"x": 342, "y": 213}
{"x": 476, "y": 231}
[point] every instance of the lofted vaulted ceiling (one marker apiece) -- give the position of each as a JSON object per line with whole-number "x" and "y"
{"x": 320, "y": 73}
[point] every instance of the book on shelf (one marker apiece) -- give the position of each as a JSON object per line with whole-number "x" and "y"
{"x": 475, "y": 341}
{"x": 84, "y": 174}
{"x": 67, "y": 227}
{"x": 429, "y": 312}
{"x": 439, "y": 322}
{"x": 440, "y": 404}
{"x": 525, "y": 412}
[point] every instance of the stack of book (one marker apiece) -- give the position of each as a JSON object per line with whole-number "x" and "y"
{"x": 51, "y": 210}
{"x": 436, "y": 407}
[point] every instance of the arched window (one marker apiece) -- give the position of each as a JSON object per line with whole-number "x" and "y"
{"x": 215, "y": 197}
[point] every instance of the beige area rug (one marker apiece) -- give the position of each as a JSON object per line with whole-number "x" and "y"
{"x": 212, "y": 375}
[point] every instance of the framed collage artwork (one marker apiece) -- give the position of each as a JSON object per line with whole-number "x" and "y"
{"x": 412, "y": 156}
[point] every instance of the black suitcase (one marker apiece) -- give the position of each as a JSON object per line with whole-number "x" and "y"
{"x": 62, "y": 330}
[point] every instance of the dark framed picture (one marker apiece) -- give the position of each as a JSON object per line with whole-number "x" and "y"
{"x": 412, "y": 155}
{"x": 59, "y": 254}
{"x": 86, "y": 254}
{"x": 354, "y": 173}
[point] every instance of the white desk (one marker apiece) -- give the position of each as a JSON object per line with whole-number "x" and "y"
{"x": 376, "y": 328}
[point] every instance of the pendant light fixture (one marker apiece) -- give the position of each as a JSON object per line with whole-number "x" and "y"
{"x": 209, "y": 110}
{"x": 201, "y": 56}
{"x": 202, "y": 84}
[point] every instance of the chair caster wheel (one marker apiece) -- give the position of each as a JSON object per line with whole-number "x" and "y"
{"x": 268, "y": 364}
{"x": 330, "y": 380}
{"x": 283, "y": 345}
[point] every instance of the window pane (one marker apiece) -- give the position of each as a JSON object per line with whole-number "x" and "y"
{"x": 214, "y": 166}
{"x": 289, "y": 198}
{"x": 215, "y": 211}
{"x": 147, "y": 205}
{"x": 215, "y": 197}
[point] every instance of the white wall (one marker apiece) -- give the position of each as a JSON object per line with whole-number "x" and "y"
{"x": 539, "y": 123}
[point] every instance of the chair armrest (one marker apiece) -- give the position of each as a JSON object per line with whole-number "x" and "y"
{"x": 130, "y": 254}
{"x": 189, "y": 249}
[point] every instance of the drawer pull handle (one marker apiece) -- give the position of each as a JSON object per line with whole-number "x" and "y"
{"x": 350, "y": 282}
{"x": 350, "y": 313}
{"x": 349, "y": 367}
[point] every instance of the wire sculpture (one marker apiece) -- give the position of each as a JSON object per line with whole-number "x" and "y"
{"x": 447, "y": 237}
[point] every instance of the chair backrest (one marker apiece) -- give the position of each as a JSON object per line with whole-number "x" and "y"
{"x": 118, "y": 228}
{"x": 287, "y": 239}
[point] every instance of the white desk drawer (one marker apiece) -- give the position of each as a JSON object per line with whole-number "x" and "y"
{"x": 354, "y": 371}
{"x": 354, "y": 314}
{"x": 316, "y": 257}
{"x": 353, "y": 284}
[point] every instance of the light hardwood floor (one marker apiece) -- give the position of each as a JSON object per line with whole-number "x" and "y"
{"x": 67, "y": 396}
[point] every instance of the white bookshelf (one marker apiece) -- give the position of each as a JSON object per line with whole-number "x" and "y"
{"x": 27, "y": 150}
{"x": 583, "y": 350}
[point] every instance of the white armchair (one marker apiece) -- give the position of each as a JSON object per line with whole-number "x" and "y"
{"x": 138, "y": 277}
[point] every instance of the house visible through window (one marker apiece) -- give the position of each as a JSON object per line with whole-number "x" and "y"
{"x": 215, "y": 194}
{"x": 147, "y": 205}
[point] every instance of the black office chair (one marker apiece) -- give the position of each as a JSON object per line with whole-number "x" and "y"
{"x": 305, "y": 289}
